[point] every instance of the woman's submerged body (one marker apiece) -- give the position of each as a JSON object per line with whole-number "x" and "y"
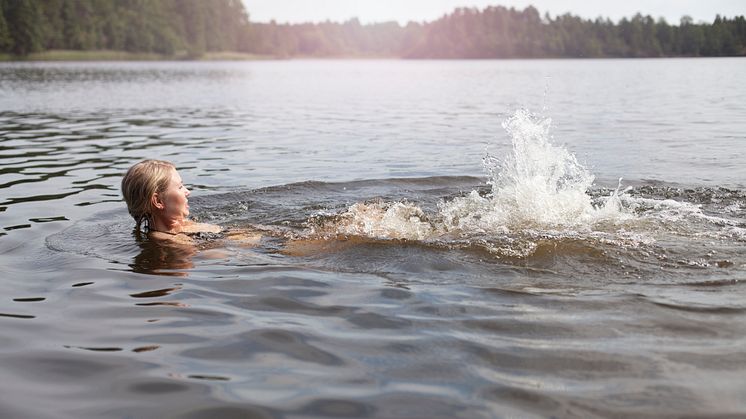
{"x": 191, "y": 232}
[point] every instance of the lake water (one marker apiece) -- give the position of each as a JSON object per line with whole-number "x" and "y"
{"x": 442, "y": 239}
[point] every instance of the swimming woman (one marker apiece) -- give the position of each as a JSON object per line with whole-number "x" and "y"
{"x": 158, "y": 201}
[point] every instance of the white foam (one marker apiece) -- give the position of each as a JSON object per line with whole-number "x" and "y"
{"x": 537, "y": 191}
{"x": 381, "y": 220}
{"x": 538, "y": 186}
{"x": 678, "y": 215}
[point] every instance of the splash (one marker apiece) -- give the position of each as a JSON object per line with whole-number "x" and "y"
{"x": 538, "y": 186}
{"x": 380, "y": 220}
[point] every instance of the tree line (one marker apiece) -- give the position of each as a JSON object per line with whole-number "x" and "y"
{"x": 193, "y": 27}
{"x": 154, "y": 26}
{"x": 500, "y": 32}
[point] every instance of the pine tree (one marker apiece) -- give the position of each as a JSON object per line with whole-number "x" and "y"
{"x": 24, "y": 22}
{"x": 6, "y": 42}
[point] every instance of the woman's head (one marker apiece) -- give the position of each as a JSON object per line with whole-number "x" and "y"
{"x": 154, "y": 192}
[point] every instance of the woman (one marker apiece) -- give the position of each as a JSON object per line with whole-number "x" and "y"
{"x": 158, "y": 201}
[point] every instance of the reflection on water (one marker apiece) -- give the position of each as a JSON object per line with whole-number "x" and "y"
{"x": 394, "y": 278}
{"x": 163, "y": 258}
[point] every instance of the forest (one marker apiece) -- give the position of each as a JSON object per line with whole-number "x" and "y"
{"x": 166, "y": 27}
{"x": 191, "y": 28}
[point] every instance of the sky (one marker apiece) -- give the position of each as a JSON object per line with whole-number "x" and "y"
{"x": 403, "y": 11}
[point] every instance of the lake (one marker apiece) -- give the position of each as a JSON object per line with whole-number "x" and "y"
{"x": 441, "y": 239}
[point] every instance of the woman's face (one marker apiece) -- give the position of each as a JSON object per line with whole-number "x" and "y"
{"x": 174, "y": 198}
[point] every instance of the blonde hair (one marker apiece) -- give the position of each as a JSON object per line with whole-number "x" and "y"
{"x": 140, "y": 183}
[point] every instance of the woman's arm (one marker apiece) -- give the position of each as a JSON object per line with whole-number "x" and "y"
{"x": 245, "y": 237}
{"x": 194, "y": 227}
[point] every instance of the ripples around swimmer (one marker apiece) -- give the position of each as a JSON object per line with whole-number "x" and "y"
{"x": 538, "y": 212}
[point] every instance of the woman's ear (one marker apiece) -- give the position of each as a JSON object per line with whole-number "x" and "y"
{"x": 155, "y": 200}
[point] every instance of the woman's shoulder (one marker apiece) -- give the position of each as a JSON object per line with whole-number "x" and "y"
{"x": 189, "y": 231}
{"x": 179, "y": 239}
{"x": 194, "y": 233}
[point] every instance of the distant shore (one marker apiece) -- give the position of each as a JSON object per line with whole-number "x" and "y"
{"x": 77, "y": 30}
{"x": 109, "y": 55}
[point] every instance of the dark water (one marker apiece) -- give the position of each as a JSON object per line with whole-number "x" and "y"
{"x": 399, "y": 276}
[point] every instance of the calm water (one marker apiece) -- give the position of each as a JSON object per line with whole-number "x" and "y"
{"x": 431, "y": 248}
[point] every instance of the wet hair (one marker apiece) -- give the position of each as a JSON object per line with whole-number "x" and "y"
{"x": 138, "y": 186}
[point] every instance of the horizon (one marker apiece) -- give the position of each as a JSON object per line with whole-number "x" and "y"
{"x": 370, "y": 11}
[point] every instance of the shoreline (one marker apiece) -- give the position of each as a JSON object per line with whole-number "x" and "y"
{"x": 111, "y": 55}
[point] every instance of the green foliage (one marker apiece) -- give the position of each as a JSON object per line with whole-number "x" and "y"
{"x": 190, "y": 27}
{"x": 6, "y": 41}
{"x": 571, "y": 36}
{"x": 22, "y": 18}
{"x": 500, "y": 32}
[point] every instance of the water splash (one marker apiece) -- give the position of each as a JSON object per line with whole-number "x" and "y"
{"x": 539, "y": 192}
{"x": 538, "y": 186}
{"x": 381, "y": 220}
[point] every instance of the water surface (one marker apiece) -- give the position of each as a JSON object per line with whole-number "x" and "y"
{"x": 420, "y": 259}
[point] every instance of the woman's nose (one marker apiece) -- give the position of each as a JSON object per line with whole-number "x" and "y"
{"x": 187, "y": 192}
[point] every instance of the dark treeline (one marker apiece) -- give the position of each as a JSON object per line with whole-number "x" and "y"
{"x": 499, "y": 32}
{"x": 330, "y": 39}
{"x": 193, "y": 27}
{"x": 159, "y": 26}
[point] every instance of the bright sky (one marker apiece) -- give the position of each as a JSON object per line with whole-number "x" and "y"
{"x": 295, "y": 11}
